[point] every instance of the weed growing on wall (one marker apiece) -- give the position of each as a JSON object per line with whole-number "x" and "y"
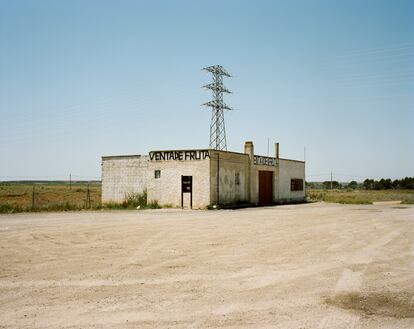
{"x": 134, "y": 200}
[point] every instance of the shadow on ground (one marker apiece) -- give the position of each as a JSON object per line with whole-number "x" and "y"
{"x": 396, "y": 305}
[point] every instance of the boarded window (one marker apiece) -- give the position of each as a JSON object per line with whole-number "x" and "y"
{"x": 296, "y": 184}
{"x": 157, "y": 173}
{"x": 237, "y": 178}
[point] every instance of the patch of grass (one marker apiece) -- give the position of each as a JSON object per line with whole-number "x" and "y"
{"x": 134, "y": 201}
{"x": 167, "y": 205}
{"x": 396, "y": 305}
{"x": 6, "y": 209}
{"x": 153, "y": 205}
{"x": 361, "y": 196}
{"x": 64, "y": 206}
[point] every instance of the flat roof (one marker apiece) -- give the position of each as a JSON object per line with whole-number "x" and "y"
{"x": 124, "y": 156}
{"x": 205, "y": 149}
{"x": 292, "y": 160}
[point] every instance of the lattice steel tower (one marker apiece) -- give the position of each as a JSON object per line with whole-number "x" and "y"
{"x": 217, "y": 127}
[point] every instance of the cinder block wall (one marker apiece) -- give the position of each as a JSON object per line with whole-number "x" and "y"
{"x": 122, "y": 175}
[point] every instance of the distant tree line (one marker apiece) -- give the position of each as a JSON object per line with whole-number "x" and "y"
{"x": 368, "y": 184}
{"x": 388, "y": 184}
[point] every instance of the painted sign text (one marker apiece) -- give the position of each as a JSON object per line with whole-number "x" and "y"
{"x": 179, "y": 155}
{"x": 264, "y": 161}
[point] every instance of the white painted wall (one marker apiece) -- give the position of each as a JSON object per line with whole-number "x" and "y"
{"x": 167, "y": 189}
{"x": 289, "y": 169}
{"x": 229, "y": 163}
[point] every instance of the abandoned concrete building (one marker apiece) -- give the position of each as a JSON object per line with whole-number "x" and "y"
{"x": 199, "y": 178}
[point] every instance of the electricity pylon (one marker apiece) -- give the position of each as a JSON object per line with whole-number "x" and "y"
{"x": 217, "y": 127}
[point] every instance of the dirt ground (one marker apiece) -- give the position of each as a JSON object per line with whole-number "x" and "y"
{"x": 296, "y": 266}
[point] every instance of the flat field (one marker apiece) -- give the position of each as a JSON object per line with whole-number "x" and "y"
{"x": 362, "y": 196}
{"x": 57, "y": 196}
{"x": 17, "y": 197}
{"x": 297, "y": 266}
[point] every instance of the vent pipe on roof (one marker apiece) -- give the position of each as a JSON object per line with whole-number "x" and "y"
{"x": 277, "y": 150}
{"x": 249, "y": 149}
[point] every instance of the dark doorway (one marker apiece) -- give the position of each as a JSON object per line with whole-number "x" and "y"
{"x": 265, "y": 187}
{"x": 187, "y": 187}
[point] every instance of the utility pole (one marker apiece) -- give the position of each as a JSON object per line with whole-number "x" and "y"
{"x": 331, "y": 180}
{"x": 217, "y": 128}
{"x": 304, "y": 159}
{"x": 70, "y": 181}
{"x": 33, "y": 197}
{"x": 88, "y": 197}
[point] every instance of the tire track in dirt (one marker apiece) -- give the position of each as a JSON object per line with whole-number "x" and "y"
{"x": 350, "y": 281}
{"x": 141, "y": 252}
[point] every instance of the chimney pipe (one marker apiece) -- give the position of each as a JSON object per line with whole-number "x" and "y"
{"x": 249, "y": 149}
{"x": 277, "y": 150}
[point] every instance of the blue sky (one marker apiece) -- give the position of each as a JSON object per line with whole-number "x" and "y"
{"x": 82, "y": 79}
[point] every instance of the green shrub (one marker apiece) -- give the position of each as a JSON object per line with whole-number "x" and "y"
{"x": 153, "y": 205}
{"x": 134, "y": 200}
{"x": 167, "y": 205}
{"x": 6, "y": 209}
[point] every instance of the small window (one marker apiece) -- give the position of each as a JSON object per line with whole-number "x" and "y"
{"x": 157, "y": 173}
{"x": 296, "y": 184}
{"x": 237, "y": 178}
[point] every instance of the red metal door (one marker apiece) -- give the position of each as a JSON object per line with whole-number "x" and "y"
{"x": 265, "y": 187}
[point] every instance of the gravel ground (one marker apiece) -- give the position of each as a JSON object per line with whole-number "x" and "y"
{"x": 297, "y": 266}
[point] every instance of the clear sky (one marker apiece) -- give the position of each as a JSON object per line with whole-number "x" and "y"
{"x": 82, "y": 79}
